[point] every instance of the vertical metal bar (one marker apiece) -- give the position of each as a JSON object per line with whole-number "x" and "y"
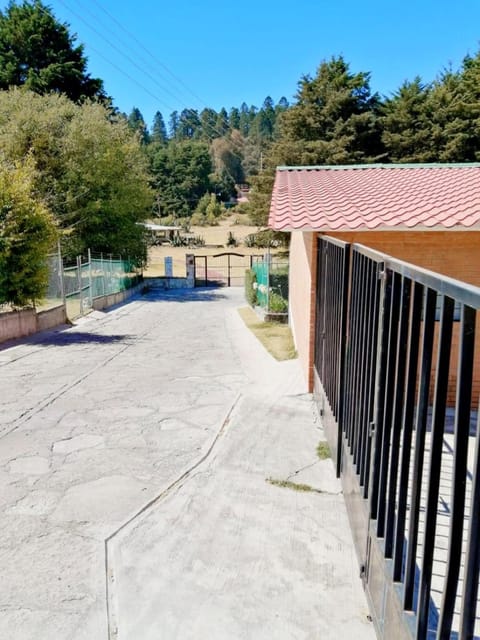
{"x": 462, "y": 431}
{"x": 388, "y": 406}
{"x": 79, "y": 281}
{"x": 372, "y": 381}
{"x": 206, "y": 272}
{"x": 381, "y": 368}
{"x": 228, "y": 267}
{"x": 369, "y": 330}
{"x": 348, "y": 352}
{"x": 346, "y": 289}
{"x": 420, "y": 430}
{"x": 323, "y": 311}
{"x": 472, "y": 559}
{"x": 352, "y": 349}
{"x": 61, "y": 274}
{"x": 408, "y": 416}
{"x": 438, "y": 423}
{"x": 360, "y": 356}
{"x": 90, "y": 286}
{"x": 400, "y": 367}
{"x": 103, "y": 273}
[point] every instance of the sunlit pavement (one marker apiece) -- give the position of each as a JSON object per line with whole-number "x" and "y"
{"x": 134, "y": 461}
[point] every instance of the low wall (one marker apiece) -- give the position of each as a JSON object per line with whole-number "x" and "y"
{"x": 18, "y": 324}
{"x": 102, "y": 302}
{"x": 172, "y": 283}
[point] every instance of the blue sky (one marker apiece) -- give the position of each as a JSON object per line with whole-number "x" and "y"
{"x": 174, "y": 55}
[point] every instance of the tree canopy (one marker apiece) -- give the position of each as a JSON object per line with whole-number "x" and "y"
{"x": 38, "y": 52}
{"x": 27, "y": 233}
{"x": 90, "y": 169}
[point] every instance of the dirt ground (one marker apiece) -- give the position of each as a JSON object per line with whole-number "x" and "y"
{"x": 215, "y": 242}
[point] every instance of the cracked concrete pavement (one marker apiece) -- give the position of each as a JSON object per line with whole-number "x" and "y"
{"x": 134, "y": 456}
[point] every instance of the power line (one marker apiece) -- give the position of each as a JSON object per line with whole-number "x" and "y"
{"x": 142, "y": 70}
{"x": 220, "y": 134}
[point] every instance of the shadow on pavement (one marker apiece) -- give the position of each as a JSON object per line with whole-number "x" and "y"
{"x": 66, "y": 338}
{"x": 203, "y": 294}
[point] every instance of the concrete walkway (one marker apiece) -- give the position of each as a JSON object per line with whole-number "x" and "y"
{"x": 135, "y": 452}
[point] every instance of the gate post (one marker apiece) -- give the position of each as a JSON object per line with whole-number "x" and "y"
{"x": 190, "y": 267}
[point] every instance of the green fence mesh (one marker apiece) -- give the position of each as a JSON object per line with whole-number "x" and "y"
{"x": 272, "y": 282}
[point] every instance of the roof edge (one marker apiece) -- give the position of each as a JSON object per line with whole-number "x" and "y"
{"x": 412, "y": 165}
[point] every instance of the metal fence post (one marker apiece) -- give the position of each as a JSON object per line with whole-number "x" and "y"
{"x": 60, "y": 274}
{"x": 103, "y": 273}
{"x": 79, "y": 279}
{"x": 90, "y": 287}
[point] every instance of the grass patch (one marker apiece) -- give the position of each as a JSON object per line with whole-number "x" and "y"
{"x": 295, "y": 486}
{"x": 323, "y": 450}
{"x": 286, "y": 484}
{"x": 275, "y": 337}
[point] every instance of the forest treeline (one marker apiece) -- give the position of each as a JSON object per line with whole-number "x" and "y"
{"x": 73, "y": 168}
{"x": 335, "y": 118}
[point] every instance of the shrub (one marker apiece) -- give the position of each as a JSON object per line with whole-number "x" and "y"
{"x": 231, "y": 240}
{"x": 250, "y": 291}
{"x": 277, "y": 303}
{"x": 266, "y": 238}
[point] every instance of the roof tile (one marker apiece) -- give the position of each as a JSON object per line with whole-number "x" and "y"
{"x": 376, "y": 197}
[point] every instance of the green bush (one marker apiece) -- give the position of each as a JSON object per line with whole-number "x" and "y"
{"x": 267, "y": 238}
{"x": 277, "y": 303}
{"x": 279, "y": 281}
{"x": 250, "y": 291}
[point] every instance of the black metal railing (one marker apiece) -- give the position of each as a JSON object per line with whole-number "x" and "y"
{"x": 331, "y": 320}
{"x": 403, "y": 372}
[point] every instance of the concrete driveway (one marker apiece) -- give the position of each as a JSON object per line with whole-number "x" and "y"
{"x": 134, "y": 456}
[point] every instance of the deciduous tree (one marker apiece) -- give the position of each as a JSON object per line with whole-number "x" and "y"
{"x": 27, "y": 234}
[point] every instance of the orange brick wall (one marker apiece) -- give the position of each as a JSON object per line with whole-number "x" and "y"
{"x": 303, "y": 264}
{"x": 452, "y": 253}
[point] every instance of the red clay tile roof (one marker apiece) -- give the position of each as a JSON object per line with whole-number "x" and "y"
{"x": 365, "y": 197}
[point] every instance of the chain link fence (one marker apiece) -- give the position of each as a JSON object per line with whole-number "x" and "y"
{"x": 271, "y": 283}
{"x": 77, "y": 285}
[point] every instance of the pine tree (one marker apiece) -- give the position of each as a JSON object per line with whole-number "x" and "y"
{"x": 38, "y": 52}
{"x": 159, "y": 130}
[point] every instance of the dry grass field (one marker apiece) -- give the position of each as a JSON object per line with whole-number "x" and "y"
{"x": 215, "y": 242}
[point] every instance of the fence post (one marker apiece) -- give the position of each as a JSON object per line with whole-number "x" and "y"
{"x": 103, "y": 273}
{"x": 90, "y": 287}
{"x": 60, "y": 274}
{"x": 79, "y": 280}
{"x": 268, "y": 277}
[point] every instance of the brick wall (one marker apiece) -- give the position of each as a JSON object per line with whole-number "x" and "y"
{"x": 451, "y": 253}
{"x": 303, "y": 251}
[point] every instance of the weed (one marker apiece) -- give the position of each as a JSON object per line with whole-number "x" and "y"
{"x": 323, "y": 450}
{"x": 295, "y": 486}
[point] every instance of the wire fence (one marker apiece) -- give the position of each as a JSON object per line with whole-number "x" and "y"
{"x": 77, "y": 285}
{"x": 271, "y": 285}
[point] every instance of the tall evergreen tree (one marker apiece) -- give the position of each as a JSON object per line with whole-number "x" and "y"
{"x": 407, "y": 127}
{"x": 159, "y": 130}
{"x": 335, "y": 118}
{"x": 208, "y": 121}
{"x": 173, "y": 124}
{"x": 334, "y": 121}
{"x": 188, "y": 125}
{"x": 37, "y": 51}
{"x": 137, "y": 124}
{"x": 222, "y": 125}
{"x": 244, "y": 120}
